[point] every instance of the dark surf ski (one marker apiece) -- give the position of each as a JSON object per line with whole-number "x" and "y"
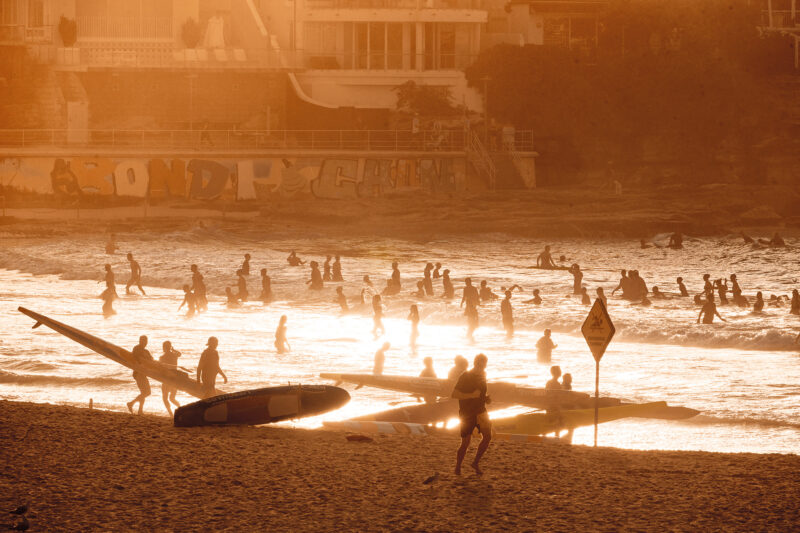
{"x": 262, "y": 406}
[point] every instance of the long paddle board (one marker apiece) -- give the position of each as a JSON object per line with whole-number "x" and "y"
{"x": 168, "y": 375}
{"x": 261, "y": 406}
{"x": 426, "y": 413}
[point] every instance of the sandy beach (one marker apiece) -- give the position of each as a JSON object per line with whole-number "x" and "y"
{"x": 84, "y": 470}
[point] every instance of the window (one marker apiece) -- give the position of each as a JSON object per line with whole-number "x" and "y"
{"x": 35, "y": 13}
{"x": 377, "y": 45}
{"x": 8, "y": 12}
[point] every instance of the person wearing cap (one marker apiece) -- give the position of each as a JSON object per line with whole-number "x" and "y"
{"x": 208, "y": 368}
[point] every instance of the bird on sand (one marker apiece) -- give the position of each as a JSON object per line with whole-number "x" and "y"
{"x": 22, "y": 509}
{"x": 431, "y": 480}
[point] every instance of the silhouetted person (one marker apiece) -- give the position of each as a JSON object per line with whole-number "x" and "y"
{"x": 507, "y": 313}
{"x": 427, "y": 371}
{"x": 241, "y": 285}
{"x": 341, "y": 299}
{"x": 624, "y": 284}
{"x": 585, "y": 299}
{"x": 110, "y": 282}
{"x": 552, "y": 383}
{"x": 396, "y": 284}
{"x": 413, "y": 317}
{"x": 246, "y": 265}
{"x": 472, "y": 299}
{"x": 232, "y": 299}
{"x": 795, "y": 306}
{"x": 545, "y": 347}
{"x": 758, "y": 306}
{"x": 315, "y": 283}
{"x": 377, "y": 316}
{"x": 566, "y": 382}
{"x": 266, "y": 287}
{"x": 738, "y": 298}
{"x": 427, "y": 281}
{"x": 142, "y": 356}
{"x": 708, "y": 287}
{"x": 189, "y": 301}
{"x": 601, "y": 295}
{"x": 293, "y": 260}
{"x": 136, "y": 275}
{"x": 380, "y": 359}
{"x": 470, "y": 391}
{"x": 577, "y": 277}
{"x": 682, "y": 287}
{"x": 436, "y": 274}
{"x": 722, "y": 291}
{"x": 199, "y": 289}
{"x": 545, "y": 260}
{"x": 108, "y": 300}
{"x": 420, "y": 292}
{"x": 485, "y": 293}
{"x": 208, "y": 368}
{"x": 676, "y": 241}
{"x": 326, "y": 269}
{"x": 777, "y": 241}
{"x": 281, "y": 342}
{"x": 449, "y": 291}
{"x": 111, "y": 245}
{"x": 536, "y": 300}
{"x": 337, "y": 270}
{"x": 708, "y": 311}
{"x": 168, "y": 392}
{"x": 460, "y": 365}
{"x": 658, "y": 295}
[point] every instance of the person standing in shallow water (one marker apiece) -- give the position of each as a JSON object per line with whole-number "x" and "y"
{"x": 507, "y": 313}
{"x": 337, "y": 270}
{"x": 377, "y": 316}
{"x": 413, "y": 317}
{"x": 136, "y": 276}
{"x": 708, "y": 311}
{"x": 189, "y": 301}
{"x": 326, "y": 269}
{"x": 545, "y": 260}
{"x": 241, "y": 284}
{"x": 266, "y": 287}
{"x": 427, "y": 281}
{"x": 470, "y": 391}
{"x": 281, "y": 342}
{"x": 246, "y": 265}
{"x": 395, "y": 279}
{"x": 111, "y": 284}
{"x": 142, "y": 356}
{"x": 208, "y": 368}
{"x": 170, "y": 359}
{"x": 315, "y": 283}
{"x": 341, "y": 299}
{"x": 449, "y": 291}
{"x": 545, "y": 347}
{"x": 682, "y": 287}
{"x": 758, "y": 306}
{"x": 199, "y": 289}
{"x": 472, "y": 300}
{"x": 577, "y": 277}
{"x": 380, "y": 359}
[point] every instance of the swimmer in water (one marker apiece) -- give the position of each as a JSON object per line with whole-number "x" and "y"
{"x": 507, "y": 314}
{"x": 536, "y": 300}
{"x": 545, "y": 260}
{"x": 413, "y": 317}
{"x": 246, "y": 265}
{"x": 396, "y": 284}
{"x": 326, "y": 269}
{"x": 472, "y": 299}
{"x": 281, "y": 342}
{"x": 658, "y": 295}
{"x": 601, "y": 295}
{"x": 241, "y": 284}
{"x": 436, "y": 274}
{"x": 337, "y": 269}
{"x": 585, "y": 299}
{"x": 758, "y": 306}
{"x": 682, "y": 287}
{"x": 189, "y": 301}
{"x": 420, "y": 292}
{"x": 136, "y": 276}
{"x": 293, "y": 260}
{"x": 708, "y": 312}
{"x": 377, "y": 316}
{"x": 266, "y": 287}
{"x": 341, "y": 299}
{"x": 233, "y": 300}
{"x": 380, "y": 359}
{"x": 170, "y": 359}
{"x": 577, "y": 277}
{"x": 142, "y": 356}
{"x": 486, "y": 294}
{"x": 722, "y": 291}
{"x": 447, "y": 285}
{"x": 427, "y": 281}
{"x": 623, "y": 284}
{"x": 208, "y": 368}
{"x": 315, "y": 283}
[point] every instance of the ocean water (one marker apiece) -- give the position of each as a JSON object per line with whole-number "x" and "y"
{"x": 743, "y": 374}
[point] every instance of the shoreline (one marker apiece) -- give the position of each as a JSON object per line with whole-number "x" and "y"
{"x": 84, "y": 469}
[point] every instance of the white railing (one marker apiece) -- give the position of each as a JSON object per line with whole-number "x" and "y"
{"x": 124, "y": 28}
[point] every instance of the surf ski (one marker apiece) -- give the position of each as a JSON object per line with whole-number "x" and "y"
{"x": 169, "y": 375}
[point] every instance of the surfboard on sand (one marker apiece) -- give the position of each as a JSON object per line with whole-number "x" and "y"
{"x": 168, "y": 375}
{"x": 261, "y": 406}
{"x": 500, "y": 392}
{"x": 426, "y": 413}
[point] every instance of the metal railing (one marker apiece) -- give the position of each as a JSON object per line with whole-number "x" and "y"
{"x": 394, "y": 4}
{"x": 370, "y": 140}
{"x": 480, "y": 159}
{"x": 781, "y": 19}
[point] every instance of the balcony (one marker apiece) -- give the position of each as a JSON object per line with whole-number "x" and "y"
{"x": 125, "y": 28}
{"x": 19, "y": 34}
{"x": 12, "y": 34}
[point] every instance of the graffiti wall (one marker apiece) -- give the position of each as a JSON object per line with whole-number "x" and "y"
{"x": 235, "y": 179}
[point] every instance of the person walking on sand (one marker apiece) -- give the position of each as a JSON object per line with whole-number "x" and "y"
{"x": 472, "y": 299}
{"x": 380, "y": 358}
{"x": 577, "y": 277}
{"x": 413, "y": 317}
{"x": 377, "y": 316}
{"x": 545, "y": 347}
{"x": 208, "y": 368}
{"x": 337, "y": 269}
{"x": 281, "y": 342}
{"x": 170, "y": 359}
{"x": 136, "y": 276}
{"x": 545, "y": 260}
{"x": 708, "y": 311}
{"x": 470, "y": 391}
{"x": 246, "y": 265}
{"x": 189, "y": 301}
{"x": 266, "y": 287}
{"x": 142, "y": 356}
{"x": 507, "y": 313}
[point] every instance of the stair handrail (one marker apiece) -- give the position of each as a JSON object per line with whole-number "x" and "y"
{"x": 477, "y": 153}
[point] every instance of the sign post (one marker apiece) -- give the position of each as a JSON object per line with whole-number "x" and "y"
{"x": 598, "y": 330}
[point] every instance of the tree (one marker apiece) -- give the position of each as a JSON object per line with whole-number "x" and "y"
{"x": 68, "y": 30}
{"x": 425, "y": 100}
{"x": 190, "y": 33}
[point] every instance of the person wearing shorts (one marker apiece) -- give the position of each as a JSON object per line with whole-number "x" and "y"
{"x": 470, "y": 391}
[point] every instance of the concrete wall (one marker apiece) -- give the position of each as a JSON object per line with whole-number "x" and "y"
{"x": 198, "y": 178}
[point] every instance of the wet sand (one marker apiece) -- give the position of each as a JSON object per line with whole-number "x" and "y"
{"x": 87, "y": 470}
